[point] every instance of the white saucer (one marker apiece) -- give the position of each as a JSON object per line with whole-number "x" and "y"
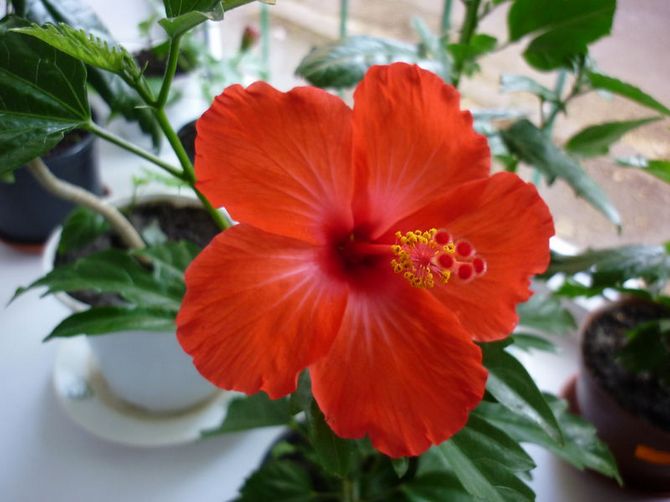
{"x": 86, "y": 400}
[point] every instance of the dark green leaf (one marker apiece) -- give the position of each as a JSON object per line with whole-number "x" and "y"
{"x": 511, "y": 385}
{"x": 186, "y": 14}
{"x": 561, "y": 30}
{"x": 115, "y": 271}
{"x": 626, "y": 90}
{"x": 343, "y": 63}
{"x": 535, "y": 148}
{"x": 581, "y": 446}
{"x": 466, "y": 55}
{"x": 400, "y": 466}
{"x": 529, "y": 342}
{"x": 434, "y": 486}
{"x": 81, "y": 227}
{"x": 42, "y": 96}
{"x": 520, "y": 83}
{"x": 278, "y": 481}
{"x": 252, "y": 412}
{"x": 335, "y": 455}
{"x": 301, "y": 398}
{"x": 175, "y": 8}
{"x": 658, "y": 168}
{"x": 170, "y": 259}
{"x": 647, "y": 348}
{"x": 597, "y": 139}
{"x": 19, "y": 7}
{"x": 613, "y": 266}
{"x": 485, "y": 460}
{"x": 545, "y": 313}
{"x": 103, "y": 320}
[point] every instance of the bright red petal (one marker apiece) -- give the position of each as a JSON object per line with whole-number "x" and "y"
{"x": 411, "y": 142}
{"x": 401, "y": 371}
{"x": 509, "y": 225}
{"x": 257, "y": 311}
{"x": 278, "y": 161}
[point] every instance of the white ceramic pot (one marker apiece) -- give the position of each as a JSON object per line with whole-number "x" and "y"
{"x": 144, "y": 368}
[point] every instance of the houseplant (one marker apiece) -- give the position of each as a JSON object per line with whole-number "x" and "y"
{"x": 484, "y": 458}
{"x": 622, "y": 386}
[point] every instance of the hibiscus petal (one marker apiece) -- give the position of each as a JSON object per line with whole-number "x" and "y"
{"x": 257, "y": 311}
{"x": 509, "y": 225}
{"x": 278, "y": 161}
{"x": 401, "y": 371}
{"x": 411, "y": 142}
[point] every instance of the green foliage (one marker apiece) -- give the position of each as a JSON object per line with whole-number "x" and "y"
{"x": 280, "y": 481}
{"x": 511, "y": 385}
{"x": 659, "y": 168}
{"x": 597, "y": 139}
{"x": 647, "y": 349}
{"x": 185, "y": 15}
{"x": 344, "y": 63}
{"x": 485, "y": 460}
{"x": 251, "y": 412}
{"x": 626, "y": 90}
{"x": 580, "y": 446}
{"x": 465, "y": 56}
{"x": 42, "y": 96}
{"x": 534, "y": 147}
{"x": 334, "y": 454}
{"x": 521, "y": 83}
{"x": 611, "y": 267}
{"x": 434, "y": 486}
{"x": 561, "y": 30}
{"x": 81, "y": 227}
{"x": 546, "y": 314}
{"x": 104, "y": 320}
{"x": 529, "y": 342}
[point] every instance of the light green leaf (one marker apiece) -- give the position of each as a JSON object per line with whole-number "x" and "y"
{"x": 626, "y": 90}
{"x": 511, "y": 385}
{"x": 659, "y": 168}
{"x": 545, "y": 313}
{"x": 581, "y": 446}
{"x": 521, "y": 83}
{"x": 596, "y": 140}
{"x": 561, "y": 30}
{"x": 400, "y": 466}
{"x": 252, "y": 412}
{"x": 104, "y": 320}
{"x": 532, "y": 146}
{"x": 42, "y": 96}
{"x": 344, "y": 63}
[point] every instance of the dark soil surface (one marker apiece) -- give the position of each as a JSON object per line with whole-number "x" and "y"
{"x": 639, "y": 393}
{"x": 177, "y": 223}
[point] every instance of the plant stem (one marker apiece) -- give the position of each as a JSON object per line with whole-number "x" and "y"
{"x": 446, "y": 17}
{"x": 548, "y": 124}
{"x": 265, "y": 42}
{"x": 170, "y": 70}
{"x": 78, "y": 195}
{"x": 344, "y": 18}
{"x": 467, "y": 31}
{"x": 112, "y": 138}
{"x": 350, "y": 490}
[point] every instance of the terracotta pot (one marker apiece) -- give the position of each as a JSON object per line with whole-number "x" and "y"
{"x": 144, "y": 368}
{"x": 641, "y": 448}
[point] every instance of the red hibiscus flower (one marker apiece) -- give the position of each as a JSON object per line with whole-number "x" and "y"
{"x": 374, "y": 248}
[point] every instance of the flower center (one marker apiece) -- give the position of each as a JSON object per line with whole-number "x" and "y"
{"x": 426, "y": 258}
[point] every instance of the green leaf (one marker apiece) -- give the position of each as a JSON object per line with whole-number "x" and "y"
{"x": 511, "y": 385}
{"x": 659, "y": 168}
{"x": 334, "y": 454}
{"x": 103, "y": 320}
{"x": 626, "y": 90}
{"x": 42, "y": 96}
{"x": 279, "y": 481}
{"x": 613, "y": 266}
{"x": 561, "y": 30}
{"x": 532, "y": 146}
{"x": 344, "y": 63}
{"x": 597, "y": 139}
{"x": 400, "y": 466}
{"x": 485, "y": 460}
{"x": 434, "y": 486}
{"x": 170, "y": 259}
{"x": 647, "y": 349}
{"x": 182, "y": 15}
{"x": 115, "y": 271}
{"x": 529, "y": 342}
{"x": 545, "y": 313}
{"x": 520, "y": 83}
{"x": 85, "y": 47}
{"x": 252, "y": 412}
{"x": 466, "y": 55}
{"x": 581, "y": 446}
{"x": 81, "y": 227}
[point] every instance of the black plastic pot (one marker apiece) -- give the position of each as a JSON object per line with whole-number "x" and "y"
{"x": 28, "y": 213}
